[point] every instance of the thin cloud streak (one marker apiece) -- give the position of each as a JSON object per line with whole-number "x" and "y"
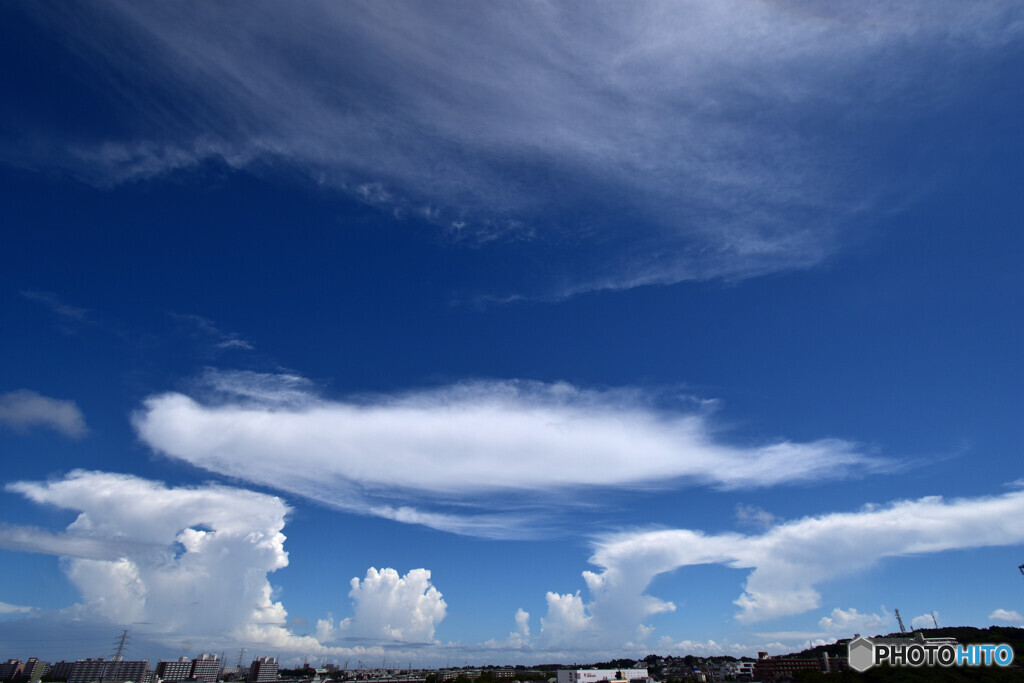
{"x": 54, "y": 303}
{"x": 480, "y": 118}
{"x": 484, "y": 444}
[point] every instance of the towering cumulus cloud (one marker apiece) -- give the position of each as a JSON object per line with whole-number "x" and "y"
{"x": 184, "y": 560}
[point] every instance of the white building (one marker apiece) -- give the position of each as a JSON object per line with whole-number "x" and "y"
{"x": 598, "y": 675}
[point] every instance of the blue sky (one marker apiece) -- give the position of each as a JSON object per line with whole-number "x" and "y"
{"x": 508, "y": 333}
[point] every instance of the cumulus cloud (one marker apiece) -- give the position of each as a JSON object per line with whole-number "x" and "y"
{"x": 521, "y": 634}
{"x": 566, "y": 622}
{"x": 24, "y": 409}
{"x": 394, "y": 608}
{"x": 463, "y": 442}
{"x": 843, "y": 623}
{"x": 519, "y": 639}
{"x": 923, "y": 622}
{"x": 1008, "y": 615}
{"x": 650, "y": 110}
{"x": 183, "y": 560}
{"x": 788, "y": 561}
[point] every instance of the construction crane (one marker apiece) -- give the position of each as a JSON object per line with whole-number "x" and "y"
{"x": 1021, "y": 568}
{"x": 934, "y": 620}
{"x": 903, "y": 629}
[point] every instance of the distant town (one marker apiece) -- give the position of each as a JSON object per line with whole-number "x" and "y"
{"x": 808, "y": 665}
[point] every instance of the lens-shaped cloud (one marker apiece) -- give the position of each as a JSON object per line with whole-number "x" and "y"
{"x": 474, "y": 443}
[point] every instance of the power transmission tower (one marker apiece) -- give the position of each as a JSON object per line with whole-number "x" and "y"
{"x": 119, "y": 644}
{"x": 903, "y": 629}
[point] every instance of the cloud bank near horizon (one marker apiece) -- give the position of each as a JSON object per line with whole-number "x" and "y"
{"x": 480, "y": 118}
{"x": 481, "y": 444}
{"x": 185, "y": 563}
{"x": 787, "y": 562}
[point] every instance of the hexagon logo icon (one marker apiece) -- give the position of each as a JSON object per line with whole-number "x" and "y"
{"x": 861, "y": 654}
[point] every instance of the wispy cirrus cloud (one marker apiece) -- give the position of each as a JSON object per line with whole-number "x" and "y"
{"x": 209, "y": 332}
{"x": 24, "y": 409}
{"x": 494, "y": 445}
{"x": 641, "y": 121}
{"x": 787, "y": 562}
{"x": 55, "y": 304}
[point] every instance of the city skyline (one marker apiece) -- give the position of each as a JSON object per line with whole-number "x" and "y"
{"x": 509, "y": 333}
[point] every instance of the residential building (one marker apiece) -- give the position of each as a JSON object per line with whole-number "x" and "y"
{"x": 34, "y": 669}
{"x": 10, "y": 669}
{"x": 262, "y": 669}
{"x": 206, "y": 668}
{"x": 782, "y": 668}
{"x": 89, "y": 670}
{"x": 179, "y": 670}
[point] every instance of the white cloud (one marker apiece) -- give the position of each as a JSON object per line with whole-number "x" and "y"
{"x": 787, "y": 562}
{"x": 23, "y": 409}
{"x": 566, "y": 621}
{"x": 753, "y": 516}
{"x": 470, "y": 442}
{"x": 521, "y": 634}
{"x": 325, "y": 629}
{"x": 395, "y": 608}
{"x": 708, "y": 648}
{"x": 1008, "y": 615}
{"x": 651, "y": 108}
{"x": 923, "y": 621}
{"x": 7, "y": 608}
{"x": 185, "y": 560}
{"x": 844, "y": 623}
